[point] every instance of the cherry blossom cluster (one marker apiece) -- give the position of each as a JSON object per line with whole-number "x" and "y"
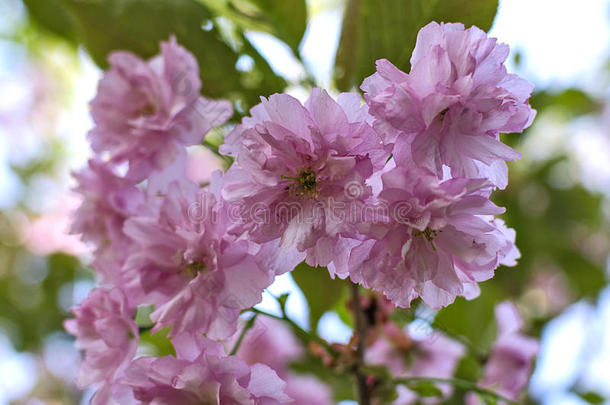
{"x": 392, "y": 193}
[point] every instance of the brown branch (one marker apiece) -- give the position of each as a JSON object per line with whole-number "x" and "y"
{"x": 361, "y": 332}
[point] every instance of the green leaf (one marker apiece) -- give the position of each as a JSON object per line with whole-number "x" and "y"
{"x": 53, "y": 16}
{"x": 490, "y": 400}
{"x": 373, "y": 30}
{"x": 546, "y": 219}
{"x": 158, "y": 342}
{"x": 139, "y": 25}
{"x": 142, "y": 317}
{"x": 282, "y": 299}
{"x": 343, "y": 310}
{"x": 474, "y": 319}
{"x": 469, "y": 368}
{"x": 425, "y": 389}
{"x": 32, "y": 299}
{"x": 591, "y": 397}
{"x": 286, "y": 19}
{"x": 321, "y": 292}
{"x": 570, "y": 103}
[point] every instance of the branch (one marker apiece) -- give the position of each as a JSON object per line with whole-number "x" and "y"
{"x": 360, "y": 330}
{"x": 456, "y": 382}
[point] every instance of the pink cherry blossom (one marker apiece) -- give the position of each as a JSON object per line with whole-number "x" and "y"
{"x": 184, "y": 262}
{"x": 146, "y": 111}
{"x": 438, "y": 241}
{"x": 107, "y": 335}
{"x": 272, "y": 343}
{"x": 107, "y": 201}
{"x": 508, "y": 368}
{"x": 436, "y": 356}
{"x": 209, "y": 378}
{"x": 453, "y": 104}
{"x": 299, "y": 169}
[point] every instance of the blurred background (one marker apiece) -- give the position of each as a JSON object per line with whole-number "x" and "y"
{"x": 51, "y": 56}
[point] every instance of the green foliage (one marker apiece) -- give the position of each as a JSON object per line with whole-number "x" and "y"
{"x": 371, "y": 31}
{"x": 142, "y": 317}
{"x": 53, "y": 16}
{"x": 469, "y": 369}
{"x": 158, "y": 342}
{"x": 138, "y": 26}
{"x": 592, "y": 397}
{"x": 425, "y": 389}
{"x": 474, "y": 319}
{"x": 31, "y": 298}
{"x": 285, "y": 19}
{"x": 569, "y": 102}
{"x": 322, "y": 292}
{"x": 548, "y": 221}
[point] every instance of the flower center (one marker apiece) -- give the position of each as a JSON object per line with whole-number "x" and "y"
{"x": 442, "y": 114}
{"x": 146, "y": 110}
{"x": 429, "y": 234}
{"x": 305, "y": 183}
{"x": 193, "y": 268}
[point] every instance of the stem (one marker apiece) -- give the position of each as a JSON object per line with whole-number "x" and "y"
{"x": 300, "y": 332}
{"x": 456, "y": 382}
{"x": 245, "y": 330}
{"x": 360, "y": 330}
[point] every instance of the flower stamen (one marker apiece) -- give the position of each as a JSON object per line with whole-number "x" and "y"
{"x": 305, "y": 184}
{"x": 192, "y": 269}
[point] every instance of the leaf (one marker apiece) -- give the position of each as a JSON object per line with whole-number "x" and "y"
{"x": 321, "y": 292}
{"x": 343, "y": 311}
{"x": 33, "y": 300}
{"x": 373, "y": 30}
{"x": 158, "y": 342}
{"x": 425, "y": 389}
{"x": 469, "y": 369}
{"x": 547, "y": 219}
{"x": 474, "y": 319}
{"x": 490, "y": 400}
{"x": 282, "y": 299}
{"x": 286, "y": 20}
{"x": 591, "y": 397}
{"x": 570, "y": 103}
{"x": 142, "y": 317}
{"x": 53, "y": 16}
{"x": 139, "y": 25}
